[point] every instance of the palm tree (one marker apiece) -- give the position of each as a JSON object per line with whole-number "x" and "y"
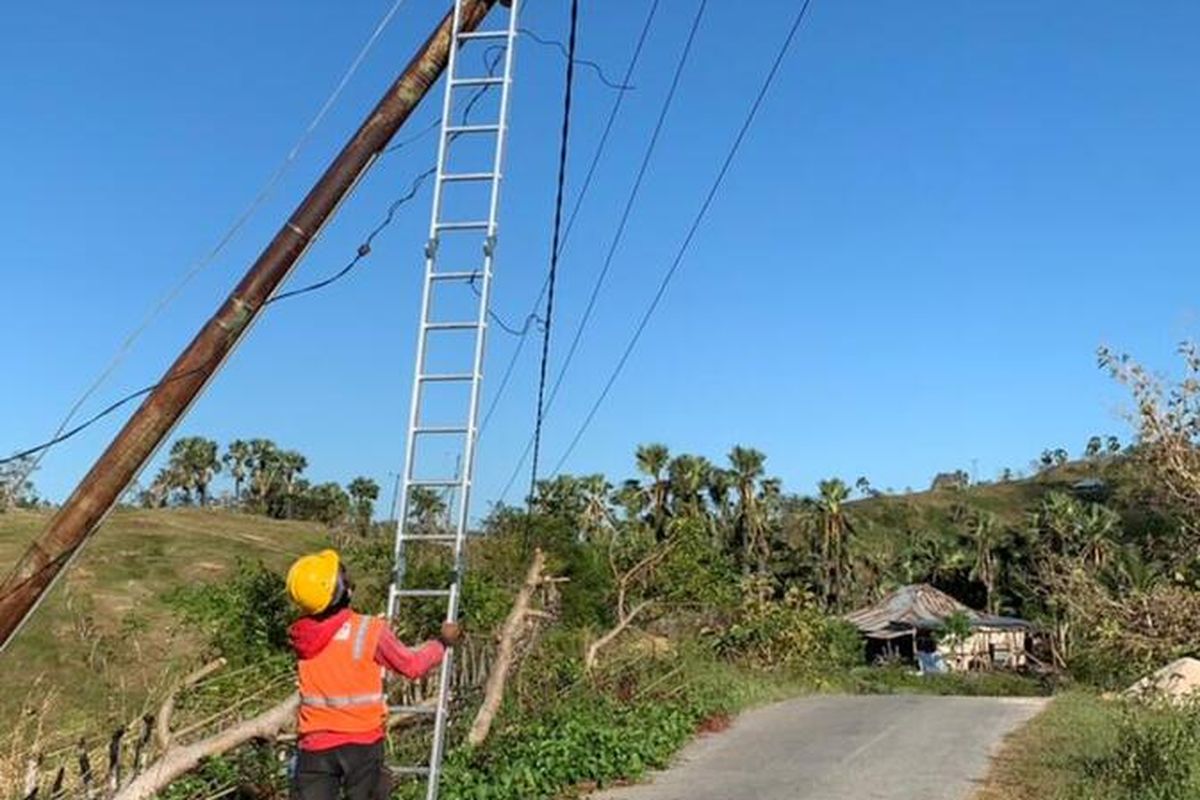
{"x": 264, "y": 471}
{"x": 770, "y": 504}
{"x": 426, "y": 508}
{"x": 985, "y": 536}
{"x": 1098, "y": 529}
{"x": 632, "y": 498}
{"x": 363, "y": 494}
{"x": 747, "y": 464}
{"x": 1060, "y": 517}
{"x": 652, "y": 459}
{"x": 595, "y": 514}
{"x": 194, "y": 461}
{"x": 833, "y": 494}
{"x": 1131, "y": 572}
{"x": 291, "y": 464}
{"x": 688, "y": 475}
{"x": 720, "y": 483}
{"x": 237, "y": 460}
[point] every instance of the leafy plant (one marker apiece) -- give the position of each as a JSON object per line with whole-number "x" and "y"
{"x": 244, "y": 618}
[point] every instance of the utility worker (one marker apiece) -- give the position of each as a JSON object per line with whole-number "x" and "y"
{"x": 343, "y": 709}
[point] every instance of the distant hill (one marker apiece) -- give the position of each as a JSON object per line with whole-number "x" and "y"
{"x": 105, "y": 637}
{"x": 1010, "y": 500}
{"x": 921, "y": 528}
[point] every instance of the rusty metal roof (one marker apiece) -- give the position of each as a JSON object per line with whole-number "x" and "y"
{"x": 923, "y": 607}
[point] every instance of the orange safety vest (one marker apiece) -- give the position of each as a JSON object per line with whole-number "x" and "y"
{"x": 341, "y": 688}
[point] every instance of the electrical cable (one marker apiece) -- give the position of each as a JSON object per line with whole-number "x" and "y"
{"x": 696, "y": 222}
{"x": 620, "y": 87}
{"x": 554, "y": 247}
{"x": 238, "y": 223}
{"x": 583, "y": 192}
{"x": 668, "y": 101}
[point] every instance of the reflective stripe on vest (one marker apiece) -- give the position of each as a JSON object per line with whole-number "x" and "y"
{"x": 342, "y": 702}
{"x": 360, "y": 638}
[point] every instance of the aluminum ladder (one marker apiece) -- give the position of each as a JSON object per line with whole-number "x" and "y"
{"x": 463, "y": 226}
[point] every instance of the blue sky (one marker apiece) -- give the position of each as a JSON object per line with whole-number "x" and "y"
{"x": 942, "y": 210}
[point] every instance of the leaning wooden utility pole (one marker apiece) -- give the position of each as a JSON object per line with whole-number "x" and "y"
{"x": 154, "y": 420}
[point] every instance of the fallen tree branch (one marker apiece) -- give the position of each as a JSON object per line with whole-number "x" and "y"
{"x": 593, "y": 651}
{"x": 184, "y": 758}
{"x": 626, "y": 580}
{"x": 509, "y": 633}
{"x": 167, "y": 709}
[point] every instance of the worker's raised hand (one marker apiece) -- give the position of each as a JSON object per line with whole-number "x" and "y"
{"x": 451, "y": 634}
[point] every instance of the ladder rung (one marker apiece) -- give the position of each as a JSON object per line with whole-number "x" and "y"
{"x": 450, "y": 326}
{"x": 431, "y": 537}
{"x": 482, "y": 80}
{"x": 459, "y": 177}
{"x": 455, "y": 276}
{"x": 435, "y": 482}
{"x": 499, "y": 34}
{"x": 405, "y": 770}
{"x": 429, "y": 430}
{"x": 491, "y": 128}
{"x": 426, "y": 710}
{"x": 422, "y": 592}
{"x": 473, "y": 225}
{"x": 445, "y": 377}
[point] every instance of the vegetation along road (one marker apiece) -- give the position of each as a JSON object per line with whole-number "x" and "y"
{"x": 842, "y": 748}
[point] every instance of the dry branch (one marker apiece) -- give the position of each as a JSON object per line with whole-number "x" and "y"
{"x": 168, "y": 707}
{"x": 513, "y": 627}
{"x": 181, "y": 759}
{"x": 625, "y": 580}
{"x": 624, "y": 621}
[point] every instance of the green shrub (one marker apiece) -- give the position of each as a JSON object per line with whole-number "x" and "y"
{"x": 587, "y": 734}
{"x": 793, "y": 634}
{"x": 1157, "y": 754}
{"x": 243, "y": 618}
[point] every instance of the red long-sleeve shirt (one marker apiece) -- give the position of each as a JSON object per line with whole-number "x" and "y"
{"x": 309, "y": 637}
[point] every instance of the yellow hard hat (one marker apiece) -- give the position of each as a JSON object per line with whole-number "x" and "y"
{"x": 312, "y": 582}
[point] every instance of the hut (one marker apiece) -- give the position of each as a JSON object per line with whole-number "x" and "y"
{"x": 907, "y": 622}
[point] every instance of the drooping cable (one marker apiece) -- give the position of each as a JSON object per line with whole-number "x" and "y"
{"x": 199, "y": 266}
{"x": 583, "y": 192}
{"x": 630, "y": 201}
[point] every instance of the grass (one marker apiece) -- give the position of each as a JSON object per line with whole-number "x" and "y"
{"x": 104, "y": 639}
{"x": 1088, "y": 748}
{"x": 900, "y": 680}
{"x": 1047, "y": 758}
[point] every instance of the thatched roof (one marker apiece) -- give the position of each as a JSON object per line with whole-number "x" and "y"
{"x": 924, "y": 608}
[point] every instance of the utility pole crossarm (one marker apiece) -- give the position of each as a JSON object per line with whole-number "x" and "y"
{"x": 152, "y": 423}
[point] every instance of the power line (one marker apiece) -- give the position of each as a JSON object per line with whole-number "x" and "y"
{"x": 361, "y": 252}
{"x": 583, "y": 192}
{"x": 696, "y": 222}
{"x": 620, "y": 87}
{"x": 433, "y": 125}
{"x": 630, "y": 201}
{"x": 659, "y": 124}
{"x": 238, "y": 223}
{"x": 554, "y": 247}
{"x": 364, "y": 249}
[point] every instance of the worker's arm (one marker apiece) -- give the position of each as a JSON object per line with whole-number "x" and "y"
{"x": 411, "y": 663}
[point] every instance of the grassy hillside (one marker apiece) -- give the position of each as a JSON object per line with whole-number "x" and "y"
{"x": 106, "y": 637}
{"x": 1010, "y": 500}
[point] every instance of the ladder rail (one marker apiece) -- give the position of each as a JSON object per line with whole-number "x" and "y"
{"x": 458, "y": 499}
{"x": 414, "y": 414}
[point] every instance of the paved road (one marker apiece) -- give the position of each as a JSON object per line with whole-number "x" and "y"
{"x": 843, "y": 748}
